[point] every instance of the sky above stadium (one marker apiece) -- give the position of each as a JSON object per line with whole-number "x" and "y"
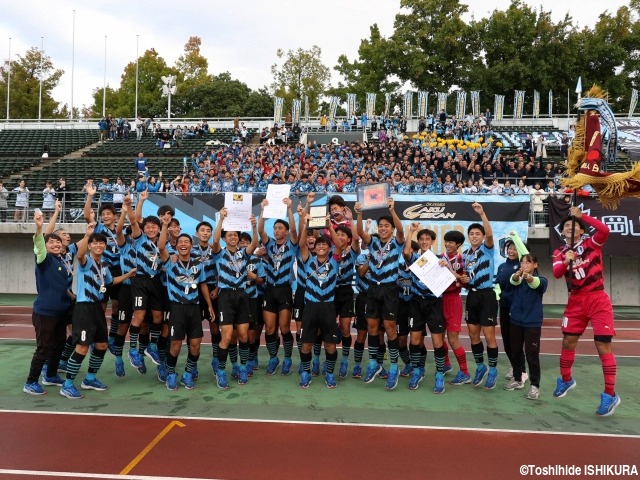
{"x": 238, "y": 37}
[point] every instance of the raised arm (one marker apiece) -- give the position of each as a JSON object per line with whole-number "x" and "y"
{"x": 39, "y": 247}
{"x": 254, "y": 236}
{"x": 264, "y": 238}
{"x": 396, "y": 221}
{"x": 120, "y": 225}
{"x": 84, "y": 243}
{"x": 91, "y": 191}
{"x": 293, "y": 232}
{"x": 366, "y": 238}
{"x": 217, "y": 233}
{"x": 164, "y": 233}
{"x": 51, "y": 226}
{"x": 407, "y": 253}
{"x": 141, "y": 199}
{"x": 488, "y": 232}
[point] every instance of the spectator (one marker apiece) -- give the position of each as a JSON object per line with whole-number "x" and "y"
{"x": 48, "y": 200}
{"x": 104, "y": 189}
{"x": 139, "y": 128}
{"x": 119, "y": 191}
{"x": 4, "y": 195}
{"x": 141, "y": 164}
{"x": 22, "y": 202}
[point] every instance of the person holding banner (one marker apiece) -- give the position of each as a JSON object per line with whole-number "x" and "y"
{"x": 482, "y": 305}
{"x": 580, "y": 262}
{"x": 278, "y": 297}
{"x": 382, "y": 297}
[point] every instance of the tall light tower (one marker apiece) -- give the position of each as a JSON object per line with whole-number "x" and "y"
{"x": 168, "y": 89}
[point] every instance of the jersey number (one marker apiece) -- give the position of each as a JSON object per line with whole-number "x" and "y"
{"x": 137, "y": 301}
{"x": 578, "y": 273}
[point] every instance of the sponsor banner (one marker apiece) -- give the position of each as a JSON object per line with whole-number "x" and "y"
{"x": 439, "y": 213}
{"x": 623, "y": 223}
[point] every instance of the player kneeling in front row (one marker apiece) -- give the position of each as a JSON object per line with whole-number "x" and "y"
{"x": 185, "y": 277}
{"x": 89, "y": 324}
{"x": 321, "y": 271}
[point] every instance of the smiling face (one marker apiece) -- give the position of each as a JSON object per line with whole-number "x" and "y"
{"x": 280, "y": 232}
{"x": 54, "y": 246}
{"x": 204, "y": 234}
{"x": 231, "y": 239}
{"x": 385, "y": 230}
{"x": 97, "y": 248}
{"x": 512, "y": 252}
{"x": 425, "y": 241}
{"x": 151, "y": 230}
{"x": 475, "y": 237}
{"x": 183, "y": 246}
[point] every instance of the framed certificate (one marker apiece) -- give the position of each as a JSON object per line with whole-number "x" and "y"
{"x": 318, "y": 218}
{"x": 373, "y": 196}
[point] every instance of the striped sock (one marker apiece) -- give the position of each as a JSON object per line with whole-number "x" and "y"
{"x": 478, "y": 352}
{"x": 192, "y": 362}
{"x": 374, "y": 346}
{"x": 414, "y": 354}
{"x": 215, "y": 341}
{"x": 393, "y": 352}
{"x": 461, "y": 357}
{"x": 118, "y": 345}
{"x": 233, "y": 353}
{"x": 423, "y": 355}
{"x": 358, "y": 351}
{"x": 134, "y": 333}
{"x": 95, "y": 362}
{"x": 154, "y": 331}
{"x": 73, "y": 365}
{"x": 222, "y": 358}
{"x": 346, "y": 345}
{"x": 171, "y": 363}
{"x": 143, "y": 342}
{"x": 272, "y": 344}
{"x": 404, "y": 355}
{"x": 114, "y": 324}
{"x": 244, "y": 353}
{"x": 162, "y": 348}
{"x": 68, "y": 349}
{"x": 439, "y": 354}
{"x": 609, "y": 370}
{"x": 287, "y": 342}
{"x": 382, "y": 349}
{"x": 567, "y": 357}
{"x": 492, "y": 356}
{"x": 305, "y": 360}
{"x": 331, "y": 361}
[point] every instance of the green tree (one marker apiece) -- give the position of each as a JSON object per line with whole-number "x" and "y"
{"x": 26, "y": 73}
{"x": 301, "y": 73}
{"x": 121, "y": 101}
{"x": 191, "y": 65}
{"x": 432, "y": 47}
{"x": 369, "y": 73}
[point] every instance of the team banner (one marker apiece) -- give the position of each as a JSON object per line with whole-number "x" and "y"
{"x": 634, "y": 101}
{"x": 278, "y": 105}
{"x": 442, "y": 101}
{"x": 536, "y": 104}
{"x": 306, "y": 108}
{"x": 461, "y": 104}
{"x": 408, "y": 105}
{"x": 518, "y": 104}
{"x": 297, "y": 104}
{"x": 333, "y": 106}
{"x": 498, "y": 107}
{"x": 371, "y": 105}
{"x": 475, "y": 103}
{"x": 439, "y": 213}
{"x": 351, "y": 104}
{"x": 624, "y": 224}
{"x": 423, "y": 101}
{"x": 387, "y": 104}
{"x": 550, "y": 103}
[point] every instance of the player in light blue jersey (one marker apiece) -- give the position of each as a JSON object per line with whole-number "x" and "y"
{"x": 481, "y": 305}
{"x": 278, "y": 295}
{"x": 382, "y": 297}
{"x": 321, "y": 271}
{"x": 89, "y": 325}
{"x": 185, "y": 279}
{"x": 233, "y": 301}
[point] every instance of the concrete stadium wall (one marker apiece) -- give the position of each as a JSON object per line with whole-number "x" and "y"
{"x": 621, "y": 273}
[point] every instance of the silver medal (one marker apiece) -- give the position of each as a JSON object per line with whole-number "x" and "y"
{"x": 103, "y": 289}
{"x": 237, "y": 274}
{"x": 194, "y": 286}
{"x": 113, "y": 249}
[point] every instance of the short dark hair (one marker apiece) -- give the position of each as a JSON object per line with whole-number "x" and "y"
{"x": 245, "y": 236}
{"x": 51, "y": 236}
{"x": 337, "y": 200}
{"x": 185, "y": 235}
{"x": 344, "y": 229}
{"x": 388, "y": 218}
{"x": 203, "y": 224}
{"x": 476, "y": 226}
{"x": 283, "y": 222}
{"x": 97, "y": 237}
{"x": 162, "y": 209}
{"x": 152, "y": 219}
{"x": 107, "y": 206}
{"x": 426, "y": 231}
{"x": 323, "y": 239}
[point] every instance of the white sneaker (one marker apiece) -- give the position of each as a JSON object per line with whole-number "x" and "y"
{"x": 525, "y": 377}
{"x": 509, "y": 375}
{"x": 514, "y": 385}
{"x": 534, "y": 393}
